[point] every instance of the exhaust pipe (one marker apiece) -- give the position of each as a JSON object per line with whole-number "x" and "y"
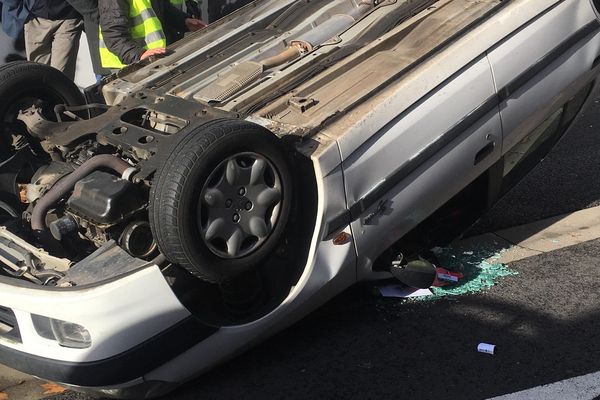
{"x": 243, "y": 74}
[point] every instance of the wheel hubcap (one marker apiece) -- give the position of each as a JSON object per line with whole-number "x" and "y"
{"x": 239, "y": 205}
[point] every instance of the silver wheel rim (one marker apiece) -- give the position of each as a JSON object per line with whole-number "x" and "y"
{"x": 239, "y": 205}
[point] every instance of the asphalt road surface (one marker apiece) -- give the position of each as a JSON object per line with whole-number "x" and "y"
{"x": 545, "y": 320}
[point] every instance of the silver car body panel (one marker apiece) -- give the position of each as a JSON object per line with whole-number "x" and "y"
{"x": 526, "y": 48}
{"x": 436, "y": 180}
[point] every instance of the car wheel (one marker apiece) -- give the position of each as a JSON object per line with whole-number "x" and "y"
{"x": 221, "y": 201}
{"x": 23, "y": 84}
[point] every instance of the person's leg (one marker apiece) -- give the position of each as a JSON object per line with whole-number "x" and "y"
{"x": 66, "y": 46}
{"x": 38, "y": 40}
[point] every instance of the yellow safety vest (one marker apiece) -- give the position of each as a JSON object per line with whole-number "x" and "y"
{"x": 177, "y": 3}
{"x": 146, "y": 29}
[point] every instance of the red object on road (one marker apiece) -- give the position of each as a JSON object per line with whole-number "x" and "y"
{"x": 445, "y": 277}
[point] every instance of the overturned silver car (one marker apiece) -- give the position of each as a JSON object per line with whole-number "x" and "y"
{"x": 193, "y": 205}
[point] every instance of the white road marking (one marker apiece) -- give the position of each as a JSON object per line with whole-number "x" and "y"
{"x": 586, "y": 387}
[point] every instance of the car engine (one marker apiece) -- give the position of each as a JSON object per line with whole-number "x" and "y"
{"x": 83, "y": 202}
{"x": 72, "y": 196}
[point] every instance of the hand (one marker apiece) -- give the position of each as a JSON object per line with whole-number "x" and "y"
{"x": 194, "y": 25}
{"x": 153, "y": 52}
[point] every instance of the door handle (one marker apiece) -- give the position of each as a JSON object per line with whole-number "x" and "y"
{"x": 484, "y": 152}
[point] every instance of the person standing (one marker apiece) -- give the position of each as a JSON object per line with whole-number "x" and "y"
{"x": 132, "y": 30}
{"x": 14, "y": 15}
{"x": 52, "y": 30}
{"x": 52, "y": 34}
{"x": 91, "y": 19}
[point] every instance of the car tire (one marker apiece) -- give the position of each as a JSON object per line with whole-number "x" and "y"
{"x": 24, "y": 79}
{"x": 220, "y": 203}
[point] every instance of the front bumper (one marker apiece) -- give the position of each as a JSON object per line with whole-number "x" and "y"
{"x": 136, "y": 324}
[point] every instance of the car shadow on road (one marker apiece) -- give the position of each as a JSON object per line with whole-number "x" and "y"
{"x": 545, "y": 322}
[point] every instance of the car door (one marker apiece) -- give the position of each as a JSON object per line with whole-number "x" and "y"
{"x": 543, "y": 73}
{"x": 422, "y": 159}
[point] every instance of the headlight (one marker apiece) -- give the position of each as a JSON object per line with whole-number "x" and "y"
{"x": 67, "y": 334}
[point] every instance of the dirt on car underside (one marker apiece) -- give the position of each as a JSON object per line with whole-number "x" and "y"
{"x": 339, "y": 65}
